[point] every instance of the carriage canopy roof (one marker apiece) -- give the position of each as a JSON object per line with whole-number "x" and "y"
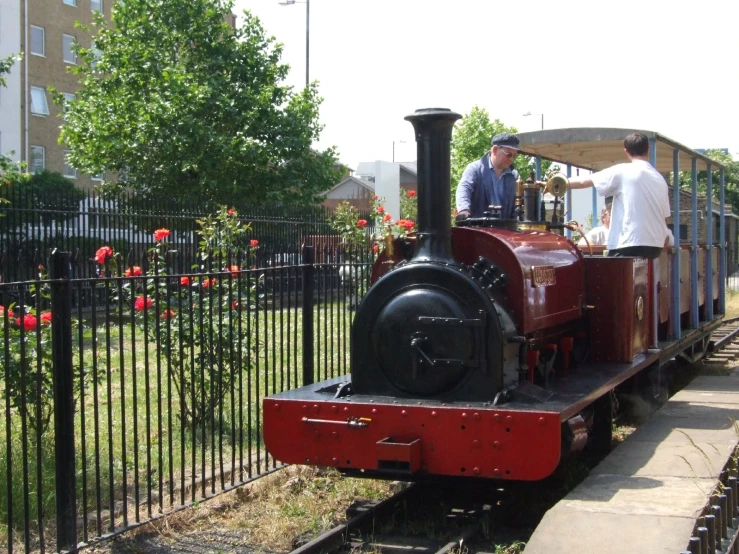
{"x": 598, "y": 148}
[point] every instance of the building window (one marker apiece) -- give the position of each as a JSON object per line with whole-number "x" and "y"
{"x": 38, "y": 159}
{"x": 96, "y": 5}
{"x": 68, "y": 97}
{"x": 70, "y": 2}
{"x": 69, "y": 171}
{"x": 38, "y": 101}
{"x": 68, "y": 54}
{"x": 37, "y": 41}
{"x": 96, "y": 53}
{"x": 98, "y": 176}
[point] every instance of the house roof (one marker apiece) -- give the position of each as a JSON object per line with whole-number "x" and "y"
{"x": 599, "y": 147}
{"x": 370, "y": 186}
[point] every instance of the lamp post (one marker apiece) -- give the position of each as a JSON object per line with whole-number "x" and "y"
{"x": 399, "y": 141}
{"x": 534, "y": 113}
{"x": 307, "y": 34}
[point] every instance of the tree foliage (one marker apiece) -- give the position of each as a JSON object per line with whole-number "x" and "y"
{"x": 51, "y": 193}
{"x": 10, "y": 172}
{"x": 179, "y": 103}
{"x": 731, "y": 179}
{"x": 471, "y": 140}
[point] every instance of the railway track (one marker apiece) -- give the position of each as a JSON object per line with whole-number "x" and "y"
{"x": 385, "y": 527}
{"x": 724, "y": 343}
{"x": 428, "y": 518}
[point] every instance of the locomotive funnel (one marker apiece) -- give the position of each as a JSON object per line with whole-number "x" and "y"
{"x": 433, "y": 127}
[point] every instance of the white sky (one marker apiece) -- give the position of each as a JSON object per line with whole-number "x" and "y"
{"x": 661, "y": 65}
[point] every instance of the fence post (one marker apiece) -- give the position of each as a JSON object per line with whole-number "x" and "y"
{"x": 60, "y": 271}
{"x": 309, "y": 258}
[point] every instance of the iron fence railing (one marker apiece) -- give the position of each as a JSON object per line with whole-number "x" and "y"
{"x": 35, "y": 222}
{"x": 125, "y": 397}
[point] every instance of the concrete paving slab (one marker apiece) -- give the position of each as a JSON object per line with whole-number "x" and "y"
{"x": 700, "y": 410}
{"x": 663, "y": 429}
{"x": 657, "y": 496}
{"x": 707, "y": 396}
{"x": 567, "y": 531}
{"x": 646, "y": 495}
{"x": 667, "y": 459}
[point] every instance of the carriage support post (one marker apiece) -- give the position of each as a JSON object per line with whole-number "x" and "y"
{"x": 675, "y": 317}
{"x": 538, "y": 191}
{"x": 722, "y": 241}
{"x": 694, "y": 245}
{"x": 655, "y": 262}
{"x": 568, "y": 206}
{"x": 709, "y": 242}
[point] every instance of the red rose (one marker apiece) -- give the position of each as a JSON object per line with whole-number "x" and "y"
{"x": 208, "y": 283}
{"x": 411, "y": 193}
{"x": 387, "y": 217}
{"x": 184, "y": 281}
{"x": 167, "y": 314}
{"x": 375, "y": 248}
{"x": 46, "y": 318}
{"x": 161, "y": 234}
{"x": 231, "y": 211}
{"x": 141, "y": 302}
{"x": 380, "y": 209}
{"x": 134, "y": 271}
{"x": 234, "y": 269}
{"x": 103, "y": 254}
{"x": 2, "y": 311}
{"x": 236, "y": 306}
{"x": 375, "y": 197}
{"x": 29, "y": 322}
{"x": 254, "y": 243}
{"x": 362, "y": 223}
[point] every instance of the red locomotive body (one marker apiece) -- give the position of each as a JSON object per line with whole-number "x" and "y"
{"x": 491, "y": 350}
{"x": 545, "y": 273}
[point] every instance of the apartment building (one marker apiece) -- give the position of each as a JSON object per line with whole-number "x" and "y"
{"x": 44, "y": 30}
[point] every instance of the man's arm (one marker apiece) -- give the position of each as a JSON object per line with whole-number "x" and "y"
{"x": 575, "y": 183}
{"x": 580, "y": 182}
{"x": 465, "y": 189}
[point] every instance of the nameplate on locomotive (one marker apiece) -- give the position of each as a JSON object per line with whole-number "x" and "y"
{"x": 543, "y": 276}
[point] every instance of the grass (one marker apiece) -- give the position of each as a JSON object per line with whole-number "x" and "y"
{"x": 274, "y": 514}
{"x": 133, "y": 401}
{"x": 732, "y": 303}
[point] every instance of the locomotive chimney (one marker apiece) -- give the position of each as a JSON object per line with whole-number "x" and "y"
{"x": 433, "y": 127}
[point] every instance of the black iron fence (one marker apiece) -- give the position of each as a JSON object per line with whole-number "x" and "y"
{"x": 35, "y": 222}
{"x": 125, "y": 397}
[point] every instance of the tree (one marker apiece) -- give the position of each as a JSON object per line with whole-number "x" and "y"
{"x": 731, "y": 178}
{"x": 54, "y": 196}
{"x": 471, "y": 140}
{"x": 10, "y": 171}
{"x": 181, "y": 104}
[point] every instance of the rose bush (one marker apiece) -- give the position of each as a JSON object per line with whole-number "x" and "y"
{"x": 193, "y": 319}
{"x": 26, "y": 369}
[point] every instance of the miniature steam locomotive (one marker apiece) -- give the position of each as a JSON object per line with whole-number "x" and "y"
{"x": 491, "y": 352}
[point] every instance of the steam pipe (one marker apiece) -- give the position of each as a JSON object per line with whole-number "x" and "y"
{"x": 433, "y": 128}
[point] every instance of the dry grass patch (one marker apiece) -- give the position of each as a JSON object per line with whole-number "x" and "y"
{"x": 732, "y": 303}
{"x": 275, "y": 513}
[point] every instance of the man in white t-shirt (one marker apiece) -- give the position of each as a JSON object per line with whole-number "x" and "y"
{"x": 641, "y": 203}
{"x": 599, "y": 234}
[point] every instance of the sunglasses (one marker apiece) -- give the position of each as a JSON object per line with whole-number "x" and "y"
{"x": 510, "y": 155}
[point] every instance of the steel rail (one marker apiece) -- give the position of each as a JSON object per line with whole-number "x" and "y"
{"x": 726, "y": 339}
{"x": 335, "y": 538}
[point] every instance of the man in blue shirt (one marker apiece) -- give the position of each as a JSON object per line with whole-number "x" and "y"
{"x": 490, "y": 181}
